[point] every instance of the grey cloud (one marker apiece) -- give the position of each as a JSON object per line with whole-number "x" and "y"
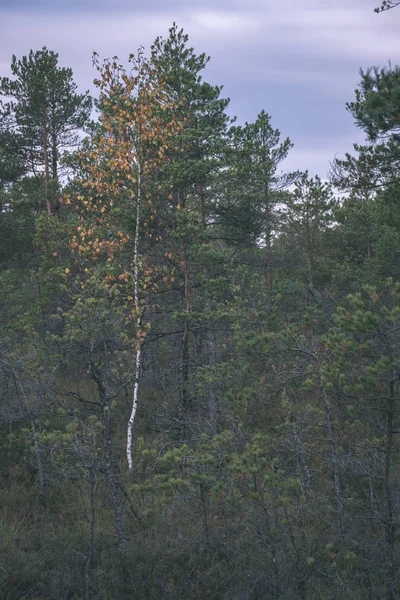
{"x": 112, "y": 6}
{"x": 298, "y": 60}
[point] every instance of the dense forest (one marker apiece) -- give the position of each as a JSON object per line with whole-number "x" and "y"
{"x": 199, "y": 351}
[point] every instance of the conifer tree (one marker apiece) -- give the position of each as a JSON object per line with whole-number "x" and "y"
{"x": 46, "y": 114}
{"x": 375, "y": 110}
{"x": 198, "y": 158}
{"x": 310, "y": 209}
{"x": 255, "y": 186}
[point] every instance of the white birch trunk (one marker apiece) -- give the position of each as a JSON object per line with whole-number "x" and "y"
{"x": 138, "y": 321}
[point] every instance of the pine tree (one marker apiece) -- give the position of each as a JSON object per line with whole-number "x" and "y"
{"x": 376, "y": 111}
{"x": 46, "y": 115}
{"x": 255, "y": 188}
{"x": 197, "y": 161}
{"x": 309, "y": 213}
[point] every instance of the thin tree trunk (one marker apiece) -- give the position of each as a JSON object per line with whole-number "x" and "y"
{"x": 184, "y": 346}
{"x": 268, "y": 234}
{"x": 54, "y": 169}
{"x": 211, "y": 349}
{"x": 309, "y": 246}
{"x": 138, "y": 321}
{"x": 185, "y": 337}
{"x": 310, "y": 264}
{"x": 54, "y": 157}
{"x": 213, "y": 405}
{"x": 268, "y": 256}
{"x": 134, "y": 403}
{"x": 202, "y": 204}
{"x": 213, "y": 408}
{"x": 46, "y": 161}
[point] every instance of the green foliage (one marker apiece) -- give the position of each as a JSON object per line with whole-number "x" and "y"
{"x": 265, "y": 452}
{"x": 377, "y": 99}
{"x": 44, "y": 104}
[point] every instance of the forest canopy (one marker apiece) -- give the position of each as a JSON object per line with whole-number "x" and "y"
{"x": 199, "y": 350}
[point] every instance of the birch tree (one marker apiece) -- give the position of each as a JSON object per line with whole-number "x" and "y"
{"x": 137, "y": 127}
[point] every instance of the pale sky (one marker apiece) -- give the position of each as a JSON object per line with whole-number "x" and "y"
{"x": 296, "y": 59}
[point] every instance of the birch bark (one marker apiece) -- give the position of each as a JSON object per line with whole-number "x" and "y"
{"x": 138, "y": 322}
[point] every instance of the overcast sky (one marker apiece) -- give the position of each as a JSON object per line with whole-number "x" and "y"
{"x": 296, "y": 59}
